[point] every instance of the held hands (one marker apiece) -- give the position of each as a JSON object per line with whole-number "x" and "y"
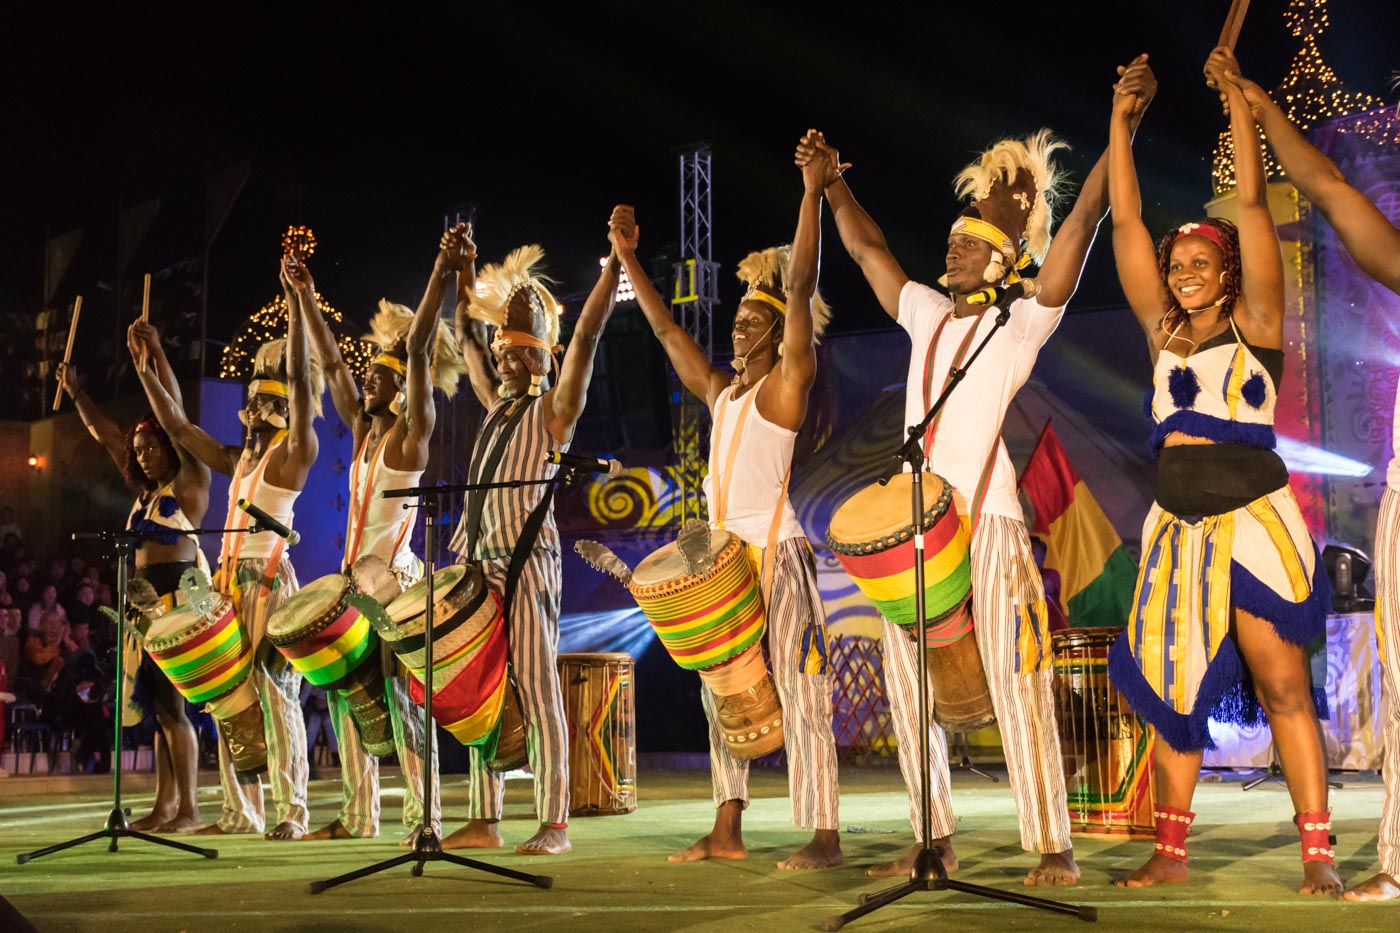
{"x": 1222, "y": 71}
{"x": 820, "y": 163}
{"x": 1135, "y": 88}
{"x": 295, "y": 276}
{"x": 623, "y": 232}
{"x": 456, "y": 249}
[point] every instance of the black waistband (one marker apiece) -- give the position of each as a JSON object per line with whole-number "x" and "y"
{"x": 165, "y": 577}
{"x": 1212, "y": 479}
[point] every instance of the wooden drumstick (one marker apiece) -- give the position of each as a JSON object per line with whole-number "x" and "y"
{"x": 68, "y": 351}
{"x": 145, "y": 317}
{"x": 1230, "y": 32}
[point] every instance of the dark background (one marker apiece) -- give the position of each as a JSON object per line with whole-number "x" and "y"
{"x": 369, "y": 123}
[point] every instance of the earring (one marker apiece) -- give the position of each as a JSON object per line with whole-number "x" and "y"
{"x": 535, "y": 381}
{"x": 501, "y": 391}
{"x": 1222, "y": 278}
{"x": 780, "y": 351}
{"x": 397, "y": 403}
{"x": 243, "y": 416}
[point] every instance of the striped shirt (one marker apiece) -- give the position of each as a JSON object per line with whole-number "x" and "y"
{"x": 505, "y": 510}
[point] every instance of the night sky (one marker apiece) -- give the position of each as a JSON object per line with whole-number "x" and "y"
{"x": 370, "y": 123}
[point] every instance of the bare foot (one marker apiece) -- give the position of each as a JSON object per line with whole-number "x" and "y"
{"x": 712, "y": 845}
{"x": 1320, "y": 878}
{"x": 213, "y": 829}
{"x": 477, "y": 834}
{"x": 181, "y": 824}
{"x": 1055, "y": 868}
{"x": 1157, "y": 870}
{"x": 333, "y": 830}
{"x": 411, "y": 840}
{"x": 151, "y": 823}
{"x": 1381, "y": 887}
{"x": 548, "y": 841}
{"x": 283, "y": 832}
{"x": 904, "y": 865}
{"x": 824, "y": 851}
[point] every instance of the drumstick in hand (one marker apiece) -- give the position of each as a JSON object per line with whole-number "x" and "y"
{"x": 68, "y": 351}
{"x": 145, "y": 318}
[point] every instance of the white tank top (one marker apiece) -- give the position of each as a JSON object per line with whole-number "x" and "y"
{"x": 250, "y": 484}
{"x": 387, "y": 526}
{"x": 761, "y": 463}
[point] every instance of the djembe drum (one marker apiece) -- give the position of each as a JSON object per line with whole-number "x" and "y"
{"x": 600, "y": 710}
{"x": 473, "y": 697}
{"x": 872, "y": 536}
{"x": 712, "y": 622}
{"x": 208, "y": 656}
{"x": 1107, "y": 748}
{"x": 332, "y": 643}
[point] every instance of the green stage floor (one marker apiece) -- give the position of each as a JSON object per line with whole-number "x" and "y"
{"x": 1245, "y": 867}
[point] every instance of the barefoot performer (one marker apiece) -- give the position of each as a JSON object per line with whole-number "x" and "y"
{"x": 1006, "y": 227}
{"x": 392, "y": 421}
{"x": 757, "y": 412}
{"x": 1230, "y": 588}
{"x": 172, "y": 494}
{"x": 268, "y": 469}
{"x": 1373, "y": 243}
{"x": 532, "y": 409}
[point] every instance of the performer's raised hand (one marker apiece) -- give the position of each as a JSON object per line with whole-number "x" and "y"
{"x": 455, "y": 248}
{"x": 1136, "y": 83}
{"x": 1227, "y": 75}
{"x": 296, "y": 276}
{"x": 68, "y": 378}
{"x": 623, "y": 232}
{"x": 142, "y": 336}
{"x": 813, "y": 147}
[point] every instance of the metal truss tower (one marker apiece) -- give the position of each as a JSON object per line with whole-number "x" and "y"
{"x": 694, "y": 301}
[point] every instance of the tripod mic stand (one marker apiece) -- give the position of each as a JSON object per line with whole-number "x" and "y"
{"x": 928, "y": 873}
{"x": 426, "y": 845}
{"x": 117, "y": 826}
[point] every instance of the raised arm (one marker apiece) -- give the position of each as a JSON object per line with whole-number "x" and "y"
{"x": 1261, "y": 263}
{"x": 1064, "y": 261}
{"x": 567, "y": 399}
{"x": 103, "y": 429}
{"x": 421, "y": 413}
{"x": 799, "y": 360}
{"x": 480, "y": 370}
{"x": 1372, "y": 240}
{"x": 292, "y": 461}
{"x": 170, "y": 415}
{"x": 694, "y": 368}
{"x": 299, "y": 290}
{"x": 859, "y": 234}
{"x": 1134, "y": 253}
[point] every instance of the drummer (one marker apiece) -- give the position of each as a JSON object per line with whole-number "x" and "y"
{"x": 172, "y": 494}
{"x": 269, "y": 470}
{"x": 757, "y": 413}
{"x": 532, "y": 408}
{"x": 1006, "y": 227}
{"x": 392, "y": 421}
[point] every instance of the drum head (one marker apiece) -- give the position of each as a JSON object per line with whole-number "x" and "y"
{"x": 878, "y": 511}
{"x": 666, "y": 563}
{"x": 307, "y": 605}
{"x": 169, "y": 626}
{"x": 414, "y": 600}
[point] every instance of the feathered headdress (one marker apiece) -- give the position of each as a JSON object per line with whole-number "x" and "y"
{"x": 388, "y": 331}
{"x": 270, "y": 373}
{"x": 1013, "y": 187}
{"x": 765, "y": 273}
{"x": 514, "y": 297}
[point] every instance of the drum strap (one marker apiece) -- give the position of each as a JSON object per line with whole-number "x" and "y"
{"x": 510, "y": 417}
{"x": 523, "y": 546}
{"x": 721, "y": 403}
{"x": 230, "y": 549}
{"x": 355, "y": 523}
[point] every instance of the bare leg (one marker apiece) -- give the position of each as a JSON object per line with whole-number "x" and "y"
{"x": 902, "y": 866}
{"x": 477, "y": 834}
{"x": 726, "y": 840}
{"x": 182, "y": 751}
{"x": 1282, "y": 681}
{"x": 1176, "y": 775}
{"x": 824, "y": 851}
{"x": 166, "y": 803}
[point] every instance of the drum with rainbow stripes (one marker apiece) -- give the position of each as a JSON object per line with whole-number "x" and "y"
{"x": 872, "y": 535}
{"x": 331, "y": 642}
{"x": 712, "y": 622}
{"x": 207, "y": 656}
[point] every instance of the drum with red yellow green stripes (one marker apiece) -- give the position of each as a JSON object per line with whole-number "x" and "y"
{"x": 872, "y": 535}
{"x": 703, "y": 619}
{"x": 204, "y": 655}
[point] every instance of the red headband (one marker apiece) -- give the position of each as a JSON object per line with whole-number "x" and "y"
{"x": 1203, "y": 228}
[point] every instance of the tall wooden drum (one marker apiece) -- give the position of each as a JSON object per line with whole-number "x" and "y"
{"x": 1107, "y": 748}
{"x": 601, "y": 711}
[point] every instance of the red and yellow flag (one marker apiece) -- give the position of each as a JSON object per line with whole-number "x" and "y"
{"x": 1096, "y": 571}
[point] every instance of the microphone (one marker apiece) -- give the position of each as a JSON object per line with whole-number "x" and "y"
{"x": 262, "y": 520}
{"x": 580, "y": 462}
{"x": 1003, "y": 295}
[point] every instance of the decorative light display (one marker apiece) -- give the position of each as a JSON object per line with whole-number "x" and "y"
{"x": 1310, "y": 94}
{"x": 270, "y": 323}
{"x": 625, "y": 290}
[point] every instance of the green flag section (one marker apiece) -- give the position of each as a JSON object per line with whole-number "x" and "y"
{"x": 1096, "y": 572}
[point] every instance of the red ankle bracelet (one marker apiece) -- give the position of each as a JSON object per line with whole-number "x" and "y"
{"x": 1172, "y": 827}
{"x": 1315, "y": 832}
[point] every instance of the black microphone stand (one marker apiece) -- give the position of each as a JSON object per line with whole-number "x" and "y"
{"x": 928, "y": 873}
{"x": 426, "y": 845}
{"x": 117, "y": 826}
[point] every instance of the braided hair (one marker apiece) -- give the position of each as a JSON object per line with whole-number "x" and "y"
{"x": 136, "y": 479}
{"x": 1229, "y": 244}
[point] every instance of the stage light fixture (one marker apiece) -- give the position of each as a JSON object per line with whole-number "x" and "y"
{"x": 625, "y": 291}
{"x": 1347, "y": 568}
{"x": 33, "y": 462}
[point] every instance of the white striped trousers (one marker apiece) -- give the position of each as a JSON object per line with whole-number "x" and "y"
{"x": 796, "y": 605}
{"x": 279, "y": 690}
{"x": 1388, "y": 624}
{"x": 1004, "y": 576}
{"x": 534, "y": 650}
